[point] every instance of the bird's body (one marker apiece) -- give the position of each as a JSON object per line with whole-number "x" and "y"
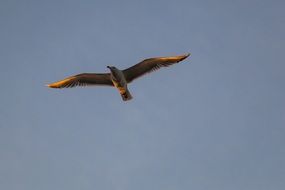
{"x": 118, "y": 78}
{"x": 119, "y": 81}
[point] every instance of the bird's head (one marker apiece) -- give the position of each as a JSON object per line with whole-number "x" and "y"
{"x": 111, "y": 68}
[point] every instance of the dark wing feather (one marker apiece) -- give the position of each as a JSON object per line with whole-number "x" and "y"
{"x": 151, "y": 64}
{"x": 84, "y": 79}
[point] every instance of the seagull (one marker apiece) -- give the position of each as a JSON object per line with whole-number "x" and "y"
{"x": 119, "y": 78}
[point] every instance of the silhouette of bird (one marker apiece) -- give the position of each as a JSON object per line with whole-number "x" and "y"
{"x": 118, "y": 78}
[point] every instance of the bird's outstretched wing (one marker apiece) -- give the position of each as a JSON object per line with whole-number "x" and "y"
{"x": 151, "y": 64}
{"x": 84, "y": 79}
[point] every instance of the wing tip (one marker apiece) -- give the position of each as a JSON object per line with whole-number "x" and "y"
{"x": 52, "y": 85}
{"x": 184, "y": 56}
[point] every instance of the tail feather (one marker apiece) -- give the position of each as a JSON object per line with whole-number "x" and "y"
{"x": 126, "y": 96}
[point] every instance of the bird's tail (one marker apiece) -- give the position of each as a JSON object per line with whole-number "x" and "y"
{"x": 126, "y": 96}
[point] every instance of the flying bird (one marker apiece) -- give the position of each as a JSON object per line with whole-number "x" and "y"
{"x": 119, "y": 78}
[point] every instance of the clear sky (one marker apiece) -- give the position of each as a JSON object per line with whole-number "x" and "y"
{"x": 215, "y": 121}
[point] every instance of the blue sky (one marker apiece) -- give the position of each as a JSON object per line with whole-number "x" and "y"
{"x": 215, "y": 121}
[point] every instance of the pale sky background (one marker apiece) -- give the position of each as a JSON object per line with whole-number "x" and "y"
{"x": 214, "y": 122}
